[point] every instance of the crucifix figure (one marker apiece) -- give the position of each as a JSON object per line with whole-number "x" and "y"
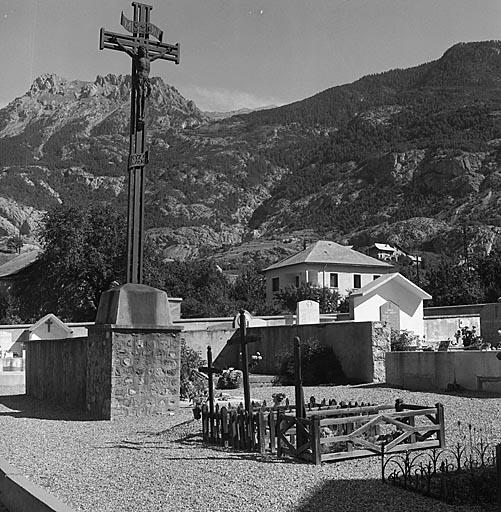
{"x": 143, "y": 52}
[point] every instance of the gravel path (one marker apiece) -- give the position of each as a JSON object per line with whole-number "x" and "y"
{"x": 160, "y": 464}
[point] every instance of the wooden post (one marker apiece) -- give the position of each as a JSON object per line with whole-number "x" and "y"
{"x": 300, "y": 409}
{"x": 210, "y": 371}
{"x": 498, "y": 467}
{"x": 316, "y": 451}
{"x": 299, "y": 395}
{"x": 211, "y": 392}
{"x": 261, "y": 432}
{"x": 273, "y": 435}
{"x": 245, "y": 359}
{"x": 441, "y": 422}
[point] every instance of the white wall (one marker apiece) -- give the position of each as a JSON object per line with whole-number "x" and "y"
{"x": 367, "y": 308}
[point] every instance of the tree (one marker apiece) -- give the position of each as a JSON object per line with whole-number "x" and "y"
{"x": 289, "y": 297}
{"x": 83, "y": 253}
{"x": 249, "y": 292}
{"x": 488, "y": 268}
{"x": 202, "y": 285}
{"x": 453, "y": 284}
{"x": 15, "y": 243}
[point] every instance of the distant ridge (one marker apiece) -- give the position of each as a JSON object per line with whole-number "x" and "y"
{"x": 242, "y": 111}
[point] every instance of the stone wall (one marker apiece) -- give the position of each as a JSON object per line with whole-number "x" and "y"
{"x": 359, "y": 346}
{"x": 132, "y": 371}
{"x": 56, "y": 370}
{"x": 439, "y": 370}
{"x": 489, "y": 314}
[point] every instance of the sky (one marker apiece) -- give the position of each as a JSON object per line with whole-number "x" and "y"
{"x": 240, "y": 53}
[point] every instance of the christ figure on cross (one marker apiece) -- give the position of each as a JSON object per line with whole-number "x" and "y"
{"x": 141, "y": 76}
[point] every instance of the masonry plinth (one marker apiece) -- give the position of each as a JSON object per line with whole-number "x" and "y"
{"x": 133, "y": 355}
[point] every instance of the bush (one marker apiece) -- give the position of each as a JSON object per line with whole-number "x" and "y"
{"x": 190, "y": 386}
{"x": 402, "y": 340}
{"x": 319, "y": 365}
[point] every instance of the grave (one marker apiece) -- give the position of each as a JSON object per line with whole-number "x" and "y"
{"x": 307, "y": 312}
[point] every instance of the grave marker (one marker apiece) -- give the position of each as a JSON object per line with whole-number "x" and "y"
{"x": 308, "y": 312}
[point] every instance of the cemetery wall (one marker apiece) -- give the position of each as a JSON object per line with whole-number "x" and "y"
{"x": 489, "y": 314}
{"x": 359, "y": 346}
{"x": 441, "y": 328}
{"x": 439, "y": 370}
{"x": 56, "y": 370}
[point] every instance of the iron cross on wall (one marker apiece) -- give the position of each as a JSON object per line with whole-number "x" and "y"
{"x": 143, "y": 51}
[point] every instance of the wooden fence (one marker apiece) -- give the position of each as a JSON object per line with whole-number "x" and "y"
{"x": 236, "y": 428}
{"x": 326, "y": 433}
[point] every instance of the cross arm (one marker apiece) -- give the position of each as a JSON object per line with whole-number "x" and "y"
{"x": 156, "y": 50}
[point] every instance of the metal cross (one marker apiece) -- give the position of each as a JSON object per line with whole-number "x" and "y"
{"x": 143, "y": 51}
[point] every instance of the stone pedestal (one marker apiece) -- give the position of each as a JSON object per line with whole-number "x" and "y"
{"x": 133, "y": 358}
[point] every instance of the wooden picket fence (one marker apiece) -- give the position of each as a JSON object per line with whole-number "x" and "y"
{"x": 327, "y": 433}
{"x": 241, "y": 430}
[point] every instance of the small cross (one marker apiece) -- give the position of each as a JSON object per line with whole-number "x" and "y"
{"x": 48, "y": 322}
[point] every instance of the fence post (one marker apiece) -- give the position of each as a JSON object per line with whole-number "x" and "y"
{"x": 211, "y": 392}
{"x": 498, "y": 467}
{"x": 245, "y": 359}
{"x": 441, "y": 422}
{"x": 273, "y": 434}
{"x": 279, "y": 434}
{"x": 261, "y": 432}
{"x": 316, "y": 451}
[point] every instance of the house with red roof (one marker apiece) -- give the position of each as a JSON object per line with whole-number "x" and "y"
{"x": 325, "y": 264}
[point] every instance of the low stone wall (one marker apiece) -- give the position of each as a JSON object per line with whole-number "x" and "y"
{"x": 56, "y": 371}
{"x": 440, "y": 370}
{"x": 359, "y": 346}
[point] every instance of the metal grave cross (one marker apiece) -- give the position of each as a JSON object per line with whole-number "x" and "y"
{"x": 143, "y": 51}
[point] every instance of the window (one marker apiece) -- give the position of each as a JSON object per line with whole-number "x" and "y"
{"x": 334, "y": 281}
{"x": 357, "y": 281}
{"x": 375, "y": 276}
{"x": 275, "y": 284}
{"x": 297, "y": 281}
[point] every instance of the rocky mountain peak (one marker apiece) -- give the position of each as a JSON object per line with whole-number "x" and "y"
{"x": 48, "y": 82}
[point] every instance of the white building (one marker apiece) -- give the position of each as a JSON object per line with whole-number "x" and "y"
{"x": 391, "y": 299}
{"x": 325, "y": 264}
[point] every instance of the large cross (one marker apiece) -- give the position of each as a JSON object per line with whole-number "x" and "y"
{"x": 143, "y": 51}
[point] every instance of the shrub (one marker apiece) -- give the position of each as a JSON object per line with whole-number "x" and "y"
{"x": 402, "y": 340}
{"x": 319, "y": 365}
{"x": 190, "y": 386}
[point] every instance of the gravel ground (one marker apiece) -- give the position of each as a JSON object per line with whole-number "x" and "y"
{"x": 160, "y": 464}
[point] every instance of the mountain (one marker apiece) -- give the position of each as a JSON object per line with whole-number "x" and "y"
{"x": 409, "y": 156}
{"x": 216, "y": 116}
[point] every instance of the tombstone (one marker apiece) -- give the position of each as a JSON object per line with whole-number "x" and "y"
{"x": 308, "y": 312}
{"x": 444, "y": 345}
{"x": 389, "y": 314}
